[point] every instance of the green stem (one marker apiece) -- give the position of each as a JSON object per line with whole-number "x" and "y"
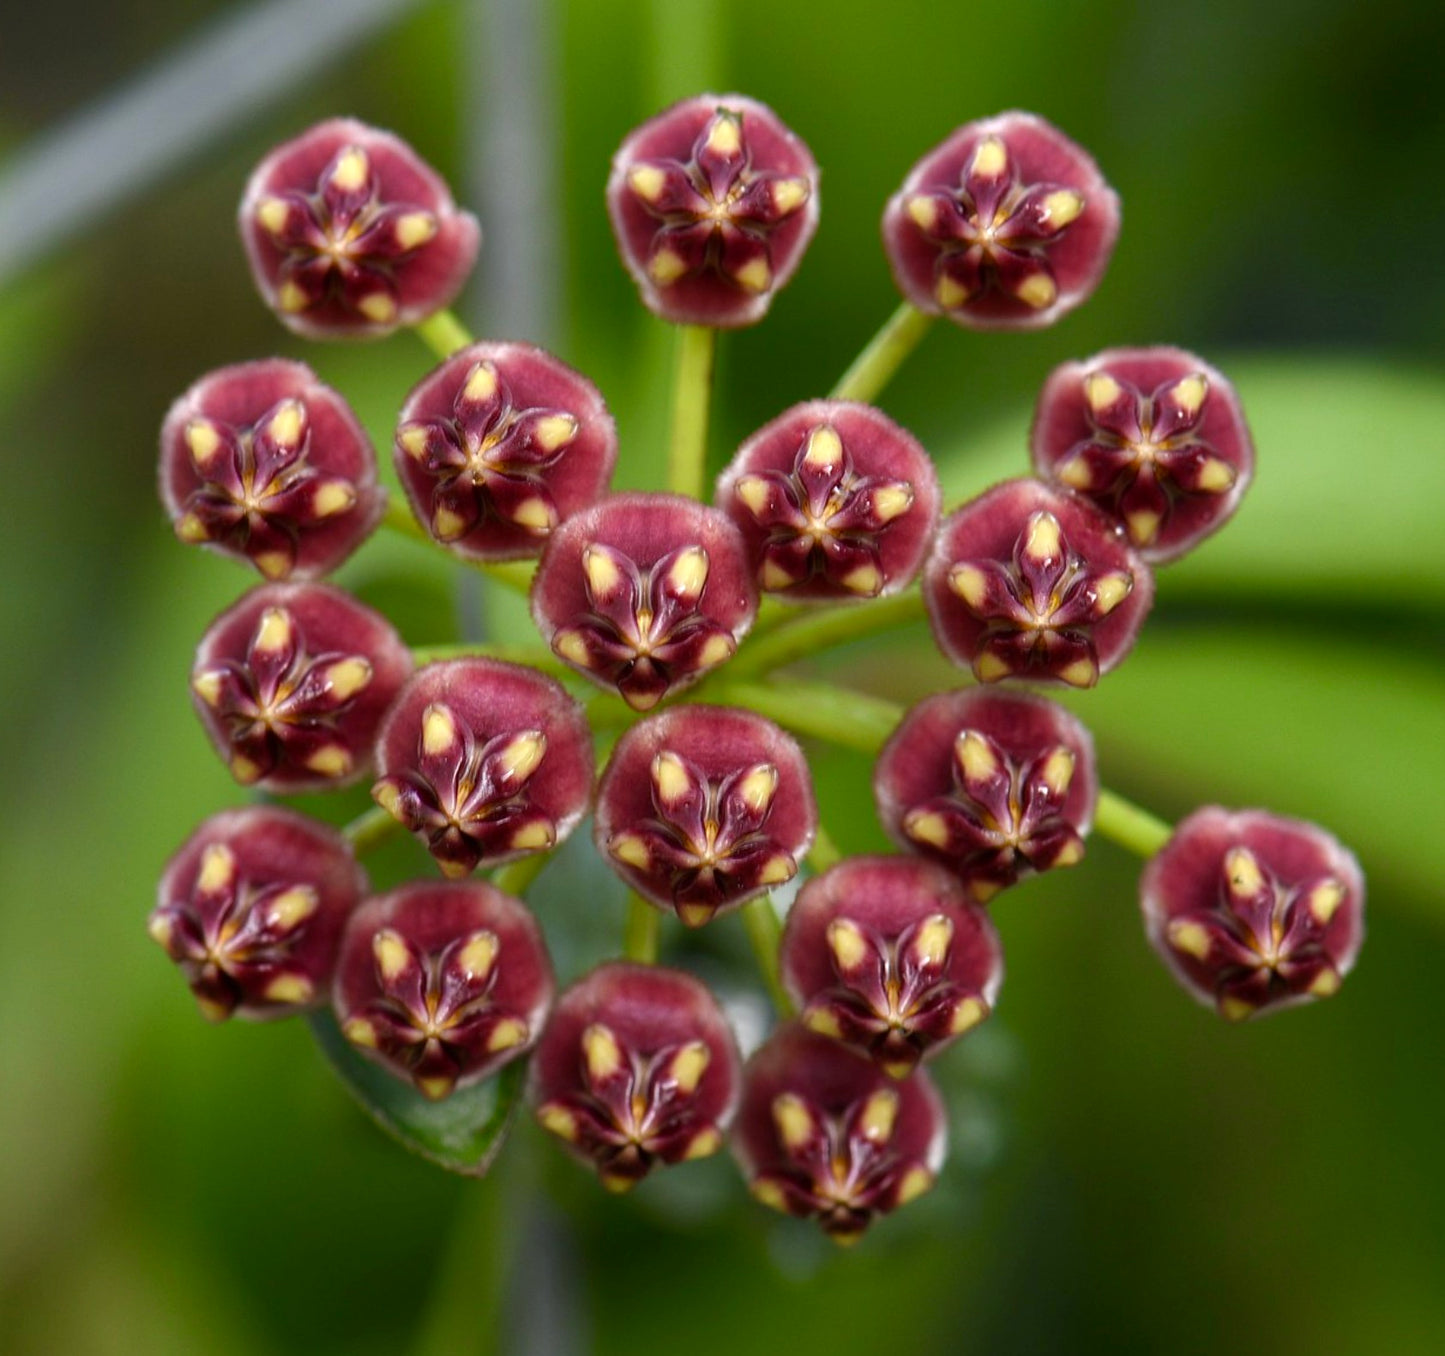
{"x": 443, "y": 333}
{"x": 691, "y": 397}
{"x": 511, "y": 574}
{"x": 765, "y": 933}
{"x": 639, "y": 937}
{"x": 798, "y": 637}
{"x": 1123, "y": 822}
{"x": 369, "y": 830}
{"x": 873, "y": 369}
{"x": 825, "y": 851}
{"x": 517, "y": 877}
{"x": 399, "y": 518}
{"x": 855, "y": 720}
{"x": 534, "y": 656}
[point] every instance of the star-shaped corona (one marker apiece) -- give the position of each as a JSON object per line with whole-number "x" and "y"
{"x": 484, "y": 762}
{"x": 702, "y": 808}
{"x": 644, "y": 593}
{"x": 443, "y": 983}
{"x": 712, "y": 203}
{"x": 889, "y": 956}
{"x": 834, "y": 500}
{"x": 251, "y": 909}
{"x": 498, "y": 445}
{"x": 264, "y": 463}
{"x": 1154, "y": 436}
{"x": 292, "y": 682}
{"x": 992, "y": 785}
{"x": 350, "y": 233}
{"x": 1007, "y": 224}
{"x": 1027, "y": 582}
{"x": 1252, "y": 911}
{"x": 637, "y": 1068}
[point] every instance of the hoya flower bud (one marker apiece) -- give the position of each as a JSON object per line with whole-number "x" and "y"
{"x": 484, "y": 762}
{"x": 888, "y": 955}
{"x": 291, "y": 684}
{"x": 498, "y": 445}
{"x": 1006, "y": 224}
{"x": 251, "y": 909}
{"x": 834, "y": 501}
{"x": 442, "y": 983}
{"x": 637, "y": 1067}
{"x": 262, "y": 462}
{"x": 1252, "y": 911}
{"x": 350, "y": 233}
{"x": 993, "y": 785}
{"x": 1154, "y": 436}
{"x": 701, "y": 808}
{"x": 713, "y": 203}
{"x": 644, "y": 593}
{"x": 824, "y": 1133}
{"x": 1031, "y": 582}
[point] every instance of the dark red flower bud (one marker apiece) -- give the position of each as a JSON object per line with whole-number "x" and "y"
{"x": 993, "y": 785}
{"x": 1031, "y": 582}
{"x": 887, "y": 955}
{"x": 484, "y": 762}
{"x": 262, "y": 462}
{"x": 498, "y": 445}
{"x": 825, "y": 1134}
{"x": 713, "y": 203}
{"x": 704, "y": 807}
{"x": 251, "y": 909}
{"x": 350, "y": 233}
{"x": 1154, "y": 436}
{"x": 834, "y": 501}
{"x": 637, "y": 1067}
{"x": 291, "y": 684}
{"x": 644, "y": 593}
{"x": 1252, "y": 911}
{"x": 442, "y": 983}
{"x": 1006, "y": 224}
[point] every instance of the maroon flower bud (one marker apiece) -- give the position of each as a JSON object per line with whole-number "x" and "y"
{"x": 713, "y": 203}
{"x": 637, "y": 1067}
{"x": 834, "y": 501}
{"x": 291, "y": 684}
{"x": 703, "y": 807}
{"x": 484, "y": 762}
{"x": 1252, "y": 911}
{"x": 350, "y": 233}
{"x": 887, "y": 955}
{"x": 442, "y": 983}
{"x": 498, "y": 445}
{"x": 1030, "y": 582}
{"x": 262, "y": 462}
{"x": 993, "y": 785}
{"x": 644, "y": 593}
{"x": 1006, "y": 224}
{"x": 825, "y": 1134}
{"x": 251, "y": 908}
{"x": 1154, "y": 436}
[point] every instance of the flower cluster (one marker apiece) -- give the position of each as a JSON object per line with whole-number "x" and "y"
{"x": 704, "y": 804}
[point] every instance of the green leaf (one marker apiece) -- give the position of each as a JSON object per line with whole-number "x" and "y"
{"x": 461, "y": 1133}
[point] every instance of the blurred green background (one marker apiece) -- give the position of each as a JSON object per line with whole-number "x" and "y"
{"x": 1128, "y": 1174}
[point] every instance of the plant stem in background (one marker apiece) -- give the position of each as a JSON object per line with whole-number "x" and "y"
{"x": 691, "y": 400}
{"x": 1129, "y": 826}
{"x": 825, "y": 851}
{"x": 798, "y": 636}
{"x": 639, "y": 938}
{"x": 444, "y": 334}
{"x": 873, "y": 369}
{"x": 369, "y": 830}
{"x": 765, "y": 933}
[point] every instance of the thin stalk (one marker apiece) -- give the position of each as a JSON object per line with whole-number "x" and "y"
{"x": 443, "y": 333}
{"x": 798, "y": 637}
{"x": 369, "y": 830}
{"x": 1129, "y": 825}
{"x": 765, "y": 933}
{"x": 691, "y": 398}
{"x": 825, "y": 851}
{"x": 873, "y": 369}
{"x": 517, "y": 877}
{"x": 533, "y": 656}
{"x": 639, "y": 936}
{"x": 854, "y": 720}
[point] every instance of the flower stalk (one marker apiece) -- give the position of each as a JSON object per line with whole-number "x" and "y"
{"x": 885, "y": 353}
{"x": 691, "y": 403}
